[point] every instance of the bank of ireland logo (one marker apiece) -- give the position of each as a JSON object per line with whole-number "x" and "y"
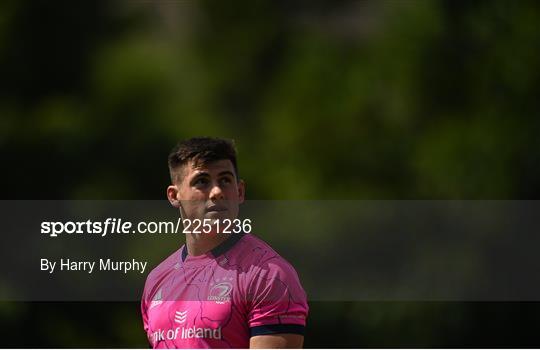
{"x": 180, "y": 316}
{"x": 221, "y": 291}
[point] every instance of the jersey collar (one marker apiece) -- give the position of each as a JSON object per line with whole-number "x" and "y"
{"x": 221, "y": 248}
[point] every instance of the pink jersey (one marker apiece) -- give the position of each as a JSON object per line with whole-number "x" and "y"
{"x": 220, "y": 299}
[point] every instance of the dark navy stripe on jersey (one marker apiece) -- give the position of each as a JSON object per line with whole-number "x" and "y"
{"x": 228, "y": 244}
{"x": 277, "y": 329}
{"x": 184, "y": 253}
{"x": 220, "y": 249}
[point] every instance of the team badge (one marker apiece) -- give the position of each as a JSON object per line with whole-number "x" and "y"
{"x": 220, "y": 292}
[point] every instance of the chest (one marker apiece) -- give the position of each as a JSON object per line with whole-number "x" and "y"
{"x": 202, "y": 304}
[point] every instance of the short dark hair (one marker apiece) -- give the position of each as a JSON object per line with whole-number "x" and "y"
{"x": 201, "y": 150}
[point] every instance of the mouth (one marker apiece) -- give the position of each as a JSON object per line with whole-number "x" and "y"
{"x": 215, "y": 208}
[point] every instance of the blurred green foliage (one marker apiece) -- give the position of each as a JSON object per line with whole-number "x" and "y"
{"x": 326, "y": 100}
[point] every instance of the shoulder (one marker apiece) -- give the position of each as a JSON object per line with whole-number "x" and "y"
{"x": 254, "y": 253}
{"x": 261, "y": 264}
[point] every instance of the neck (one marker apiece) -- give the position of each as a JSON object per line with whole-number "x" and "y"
{"x": 198, "y": 244}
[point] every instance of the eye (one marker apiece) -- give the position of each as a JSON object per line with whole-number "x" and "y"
{"x": 226, "y": 181}
{"x": 200, "y": 182}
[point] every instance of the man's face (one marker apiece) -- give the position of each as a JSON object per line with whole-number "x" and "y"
{"x": 209, "y": 191}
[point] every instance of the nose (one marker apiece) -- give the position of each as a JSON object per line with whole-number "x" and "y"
{"x": 216, "y": 193}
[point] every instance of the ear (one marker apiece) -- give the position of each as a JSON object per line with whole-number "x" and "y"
{"x": 241, "y": 191}
{"x": 172, "y": 196}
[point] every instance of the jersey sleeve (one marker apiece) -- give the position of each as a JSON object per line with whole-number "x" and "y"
{"x": 278, "y": 303}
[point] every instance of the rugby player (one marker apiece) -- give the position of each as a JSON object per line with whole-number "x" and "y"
{"x": 219, "y": 290}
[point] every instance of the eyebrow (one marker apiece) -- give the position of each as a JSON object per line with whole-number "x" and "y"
{"x": 205, "y": 173}
{"x": 226, "y": 172}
